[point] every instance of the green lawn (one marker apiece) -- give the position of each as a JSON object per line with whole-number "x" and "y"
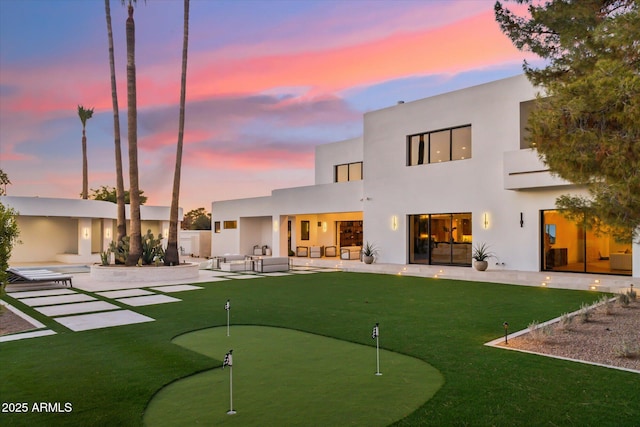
{"x": 110, "y": 375}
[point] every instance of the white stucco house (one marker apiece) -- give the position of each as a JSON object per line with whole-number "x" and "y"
{"x": 73, "y": 230}
{"x": 426, "y": 182}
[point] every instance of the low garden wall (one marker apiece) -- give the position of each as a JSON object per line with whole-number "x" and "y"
{"x": 148, "y": 273}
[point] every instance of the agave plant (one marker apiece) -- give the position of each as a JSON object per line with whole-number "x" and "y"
{"x": 369, "y": 249}
{"x": 481, "y": 252}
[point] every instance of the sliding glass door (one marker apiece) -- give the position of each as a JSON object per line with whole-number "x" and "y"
{"x": 569, "y": 246}
{"x": 440, "y": 239}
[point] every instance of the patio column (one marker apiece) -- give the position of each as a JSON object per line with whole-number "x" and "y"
{"x": 279, "y": 235}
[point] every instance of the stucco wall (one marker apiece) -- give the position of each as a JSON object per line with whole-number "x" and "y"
{"x": 329, "y": 155}
{"x": 44, "y": 238}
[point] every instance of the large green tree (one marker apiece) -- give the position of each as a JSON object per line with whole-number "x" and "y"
{"x": 120, "y": 192}
{"x": 171, "y": 256}
{"x": 84, "y": 114}
{"x": 197, "y": 219}
{"x": 586, "y": 127}
{"x": 110, "y": 194}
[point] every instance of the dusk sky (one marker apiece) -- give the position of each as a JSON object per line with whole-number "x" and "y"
{"x": 267, "y": 81}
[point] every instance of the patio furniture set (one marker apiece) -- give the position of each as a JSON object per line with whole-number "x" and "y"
{"x": 346, "y": 252}
{"x": 256, "y": 263}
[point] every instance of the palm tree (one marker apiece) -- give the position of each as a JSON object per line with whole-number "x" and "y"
{"x": 135, "y": 240}
{"x": 121, "y": 221}
{"x": 85, "y": 114}
{"x": 171, "y": 254}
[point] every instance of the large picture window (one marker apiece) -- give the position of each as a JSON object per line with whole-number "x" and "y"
{"x": 570, "y": 246}
{"x": 440, "y": 239}
{"x": 439, "y": 146}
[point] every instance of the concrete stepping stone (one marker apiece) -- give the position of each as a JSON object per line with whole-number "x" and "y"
{"x": 276, "y": 274}
{"x": 176, "y": 288}
{"x": 218, "y": 279}
{"x": 246, "y": 276}
{"x": 41, "y": 293}
{"x": 80, "y": 307}
{"x": 85, "y": 322}
{"x": 26, "y": 335}
{"x": 59, "y": 299}
{"x": 219, "y": 273}
{"x": 123, "y": 293}
{"x": 147, "y": 300}
{"x": 303, "y": 271}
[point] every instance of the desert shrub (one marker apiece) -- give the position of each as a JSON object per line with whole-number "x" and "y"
{"x": 104, "y": 257}
{"x": 152, "y": 251}
{"x": 607, "y": 305}
{"x": 585, "y": 312}
{"x": 623, "y": 300}
{"x": 628, "y": 349}
{"x": 539, "y": 333}
{"x": 120, "y": 250}
{"x": 565, "y": 322}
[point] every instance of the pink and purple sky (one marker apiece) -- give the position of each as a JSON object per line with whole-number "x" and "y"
{"x": 268, "y": 80}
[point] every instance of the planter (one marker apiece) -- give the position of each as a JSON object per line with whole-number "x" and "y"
{"x": 368, "y": 259}
{"x": 480, "y": 265}
{"x": 116, "y": 273}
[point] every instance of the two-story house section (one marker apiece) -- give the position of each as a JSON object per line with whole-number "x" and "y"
{"x": 427, "y": 181}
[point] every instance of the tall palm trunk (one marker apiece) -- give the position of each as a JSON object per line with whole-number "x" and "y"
{"x": 135, "y": 242}
{"x": 121, "y": 221}
{"x": 171, "y": 254}
{"x": 84, "y": 114}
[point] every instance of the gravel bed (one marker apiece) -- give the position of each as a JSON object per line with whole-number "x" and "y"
{"x": 611, "y": 336}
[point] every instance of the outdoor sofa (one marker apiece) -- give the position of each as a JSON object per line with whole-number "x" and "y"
{"x": 269, "y": 265}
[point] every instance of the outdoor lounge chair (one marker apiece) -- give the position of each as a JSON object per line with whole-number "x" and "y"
{"x": 22, "y": 276}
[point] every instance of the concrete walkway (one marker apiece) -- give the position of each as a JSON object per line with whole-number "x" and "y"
{"x": 92, "y": 304}
{"x": 575, "y": 281}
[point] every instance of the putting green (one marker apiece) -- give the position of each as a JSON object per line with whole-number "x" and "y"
{"x": 286, "y": 377}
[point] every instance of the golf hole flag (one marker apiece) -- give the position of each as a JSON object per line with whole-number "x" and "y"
{"x": 375, "y": 334}
{"x": 228, "y": 359}
{"x": 227, "y": 308}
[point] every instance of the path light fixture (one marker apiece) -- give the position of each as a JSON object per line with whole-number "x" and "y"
{"x": 506, "y": 332}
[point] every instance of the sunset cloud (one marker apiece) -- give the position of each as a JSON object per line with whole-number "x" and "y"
{"x": 267, "y": 82}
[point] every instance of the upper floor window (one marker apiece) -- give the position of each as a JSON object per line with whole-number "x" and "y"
{"x": 439, "y": 146}
{"x": 526, "y": 108}
{"x": 348, "y": 172}
{"x": 230, "y": 224}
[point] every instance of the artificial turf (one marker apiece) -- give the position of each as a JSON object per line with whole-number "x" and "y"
{"x": 110, "y": 375}
{"x": 290, "y": 378}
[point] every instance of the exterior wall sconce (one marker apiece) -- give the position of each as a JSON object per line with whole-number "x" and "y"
{"x": 324, "y": 226}
{"x": 394, "y": 222}
{"x": 86, "y": 233}
{"x": 275, "y": 225}
{"x": 485, "y": 221}
{"x": 107, "y": 233}
{"x": 521, "y": 220}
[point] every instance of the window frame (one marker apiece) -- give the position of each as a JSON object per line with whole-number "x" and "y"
{"x": 424, "y": 139}
{"x": 349, "y": 172}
